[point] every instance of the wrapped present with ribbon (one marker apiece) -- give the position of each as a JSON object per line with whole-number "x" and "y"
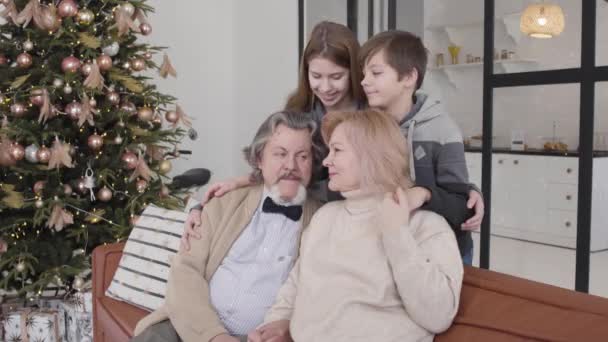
{"x": 78, "y": 318}
{"x": 30, "y": 325}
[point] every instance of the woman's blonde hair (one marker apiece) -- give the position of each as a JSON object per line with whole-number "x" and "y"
{"x": 379, "y": 144}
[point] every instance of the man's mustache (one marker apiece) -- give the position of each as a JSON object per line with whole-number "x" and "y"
{"x": 290, "y": 176}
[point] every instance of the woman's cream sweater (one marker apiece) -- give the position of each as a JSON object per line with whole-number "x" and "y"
{"x": 363, "y": 276}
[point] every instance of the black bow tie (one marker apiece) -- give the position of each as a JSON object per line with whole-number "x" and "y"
{"x": 293, "y": 212}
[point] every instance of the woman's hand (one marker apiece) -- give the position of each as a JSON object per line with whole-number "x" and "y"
{"x": 475, "y": 201}
{"x": 395, "y": 209}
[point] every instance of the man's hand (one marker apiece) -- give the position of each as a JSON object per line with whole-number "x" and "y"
{"x": 277, "y": 331}
{"x": 191, "y": 229}
{"x": 475, "y": 201}
{"x": 417, "y": 196}
{"x": 224, "y": 338}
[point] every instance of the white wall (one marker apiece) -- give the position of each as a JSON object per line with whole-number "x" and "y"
{"x": 236, "y": 63}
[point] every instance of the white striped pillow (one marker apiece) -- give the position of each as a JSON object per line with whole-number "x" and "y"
{"x": 141, "y": 276}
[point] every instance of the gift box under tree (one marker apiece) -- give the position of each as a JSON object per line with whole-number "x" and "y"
{"x": 29, "y": 325}
{"x": 78, "y": 317}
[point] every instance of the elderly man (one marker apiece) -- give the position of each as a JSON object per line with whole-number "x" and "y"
{"x": 220, "y": 289}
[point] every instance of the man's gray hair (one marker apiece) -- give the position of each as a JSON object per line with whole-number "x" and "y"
{"x": 290, "y": 119}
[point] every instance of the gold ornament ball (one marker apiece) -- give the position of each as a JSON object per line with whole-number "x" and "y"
{"x": 145, "y": 29}
{"x": 43, "y": 155}
{"x": 67, "y": 8}
{"x": 38, "y": 187}
{"x": 39, "y": 203}
{"x": 18, "y": 109}
{"x": 164, "y": 167}
{"x": 20, "y": 267}
{"x": 145, "y": 113}
{"x": 113, "y": 97}
{"x": 130, "y": 160}
{"x": 128, "y": 107}
{"x": 138, "y": 64}
{"x": 81, "y": 186}
{"x": 36, "y": 97}
{"x": 95, "y": 142}
{"x": 24, "y": 60}
{"x": 104, "y": 194}
{"x": 74, "y": 109}
{"x": 141, "y": 185}
{"x": 171, "y": 116}
{"x": 157, "y": 121}
{"x": 104, "y": 62}
{"x": 128, "y": 8}
{"x": 164, "y": 191}
{"x": 70, "y": 64}
{"x": 85, "y": 17}
{"x": 67, "y": 189}
{"x": 17, "y": 152}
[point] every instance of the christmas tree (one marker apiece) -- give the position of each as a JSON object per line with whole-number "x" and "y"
{"x": 83, "y": 146}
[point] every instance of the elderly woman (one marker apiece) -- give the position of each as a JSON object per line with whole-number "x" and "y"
{"x": 368, "y": 269}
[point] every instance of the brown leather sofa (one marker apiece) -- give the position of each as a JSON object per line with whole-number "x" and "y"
{"x": 493, "y": 307}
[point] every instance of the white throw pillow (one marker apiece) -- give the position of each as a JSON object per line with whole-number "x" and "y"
{"x": 143, "y": 271}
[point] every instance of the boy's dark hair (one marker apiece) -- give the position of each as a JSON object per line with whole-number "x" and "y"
{"x": 404, "y": 52}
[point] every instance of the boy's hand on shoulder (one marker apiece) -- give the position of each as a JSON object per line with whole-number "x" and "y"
{"x": 475, "y": 201}
{"x": 417, "y": 196}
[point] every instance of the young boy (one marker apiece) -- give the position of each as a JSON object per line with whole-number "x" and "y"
{"x": 394, "y": 64}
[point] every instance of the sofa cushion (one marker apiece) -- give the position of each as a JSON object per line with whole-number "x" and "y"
{"x": 499, "y": 307}
{"x": 141, "y": 276}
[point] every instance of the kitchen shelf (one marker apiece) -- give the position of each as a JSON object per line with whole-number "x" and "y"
{"x": 501, "y": 66}
{"x": 454, "y": 30}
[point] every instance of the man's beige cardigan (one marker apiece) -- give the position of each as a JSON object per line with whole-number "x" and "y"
{"x": 187, "y": 303}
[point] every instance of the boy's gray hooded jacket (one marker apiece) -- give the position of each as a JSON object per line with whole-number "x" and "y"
{"x": 437, "y": 162}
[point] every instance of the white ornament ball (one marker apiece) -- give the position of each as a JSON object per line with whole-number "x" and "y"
{"x": 28, "y": 45}
{"x": 58, "y": 82}
{"x": 67, "y": 89}
{"x": 78, "y": 283}
{"x": 112, "y": 49}
{"x": 128, "y": 8}
{"x": 20, "y": 267}
{"x": 30, "y": 153}
{"x": 39, "y": 203}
